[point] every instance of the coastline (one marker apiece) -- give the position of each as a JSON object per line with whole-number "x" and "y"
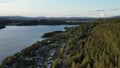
{"x": 38, "y": 51}
{"x": 30, "y": 34}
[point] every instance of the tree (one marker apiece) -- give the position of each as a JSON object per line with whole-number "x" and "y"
{"x": 88, "y": 66}
{"x": 73, "y": 65}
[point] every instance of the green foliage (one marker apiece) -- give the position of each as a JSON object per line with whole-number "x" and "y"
{"x": 56, "y": 64}
{"x": 88, "y": 66}
{"x": 95, "y": 45}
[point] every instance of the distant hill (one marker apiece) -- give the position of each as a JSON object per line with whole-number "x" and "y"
{"x": 116, "y": 16}
{"x": 46, "y": 18}
{"x": 21, "y": 20}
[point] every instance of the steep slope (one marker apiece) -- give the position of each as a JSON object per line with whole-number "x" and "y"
{"x": 94, "y": 45}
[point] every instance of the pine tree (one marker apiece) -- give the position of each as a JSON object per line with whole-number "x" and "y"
{"x": 88, "y": 66}
{"x": 73, "y": 65}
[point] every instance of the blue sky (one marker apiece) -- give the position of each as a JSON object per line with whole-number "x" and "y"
{"x": 60, "y": 8}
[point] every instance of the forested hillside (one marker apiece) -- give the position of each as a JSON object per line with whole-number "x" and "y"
{"x": 95, "y": 45}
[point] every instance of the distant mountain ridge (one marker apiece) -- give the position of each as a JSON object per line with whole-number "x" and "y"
{"x": 44, "y": 18}
{"x": 21, "y": 18}
{"x": 116, "y": 16}
{"x": 49, "y": 18}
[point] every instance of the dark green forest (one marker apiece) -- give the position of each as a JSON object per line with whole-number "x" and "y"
{"x": 46, "y": 22}
{"x": 1, "y": 26}
{"x": 94, "y": 45}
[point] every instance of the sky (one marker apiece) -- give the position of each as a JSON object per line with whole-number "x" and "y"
{"x": 60, "y": 8}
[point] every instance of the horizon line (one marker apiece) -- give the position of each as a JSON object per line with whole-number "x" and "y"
{"x": 56, "y": 16}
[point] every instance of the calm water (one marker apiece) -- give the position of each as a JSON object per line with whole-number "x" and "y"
{"x": 15, "y": 38}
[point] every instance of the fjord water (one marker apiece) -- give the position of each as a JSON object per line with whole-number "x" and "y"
{"x": 15, "y": 38}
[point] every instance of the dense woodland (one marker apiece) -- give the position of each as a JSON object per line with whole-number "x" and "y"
{"x": 46, "y": 22}
{"x": 37, "y": 22}
{"x": 93, "y": 45}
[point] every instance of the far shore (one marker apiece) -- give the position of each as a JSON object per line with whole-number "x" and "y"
{"x": 1, "y": 26}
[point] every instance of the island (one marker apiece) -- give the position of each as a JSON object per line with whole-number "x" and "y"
{"x": 92, "y": 45}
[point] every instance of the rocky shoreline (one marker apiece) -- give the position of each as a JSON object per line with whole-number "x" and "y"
{"x": 40, "y": 54}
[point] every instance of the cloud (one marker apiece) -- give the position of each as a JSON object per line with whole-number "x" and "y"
{"x": 6, "y": 1}
{"x": 115, "y": 9}
{"x": 104, "y": 10}
{"x": 97, "y": 11}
